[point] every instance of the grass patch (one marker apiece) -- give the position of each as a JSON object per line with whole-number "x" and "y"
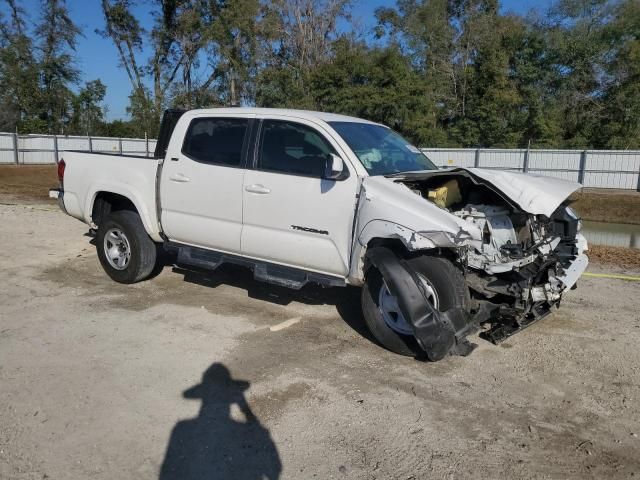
{"x": 608, "y": 207}
{"x": 626, "y": 258}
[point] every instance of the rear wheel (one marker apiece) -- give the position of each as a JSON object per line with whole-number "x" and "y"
{"x": 125, "y": 250}
{"x": 443, "y": 285}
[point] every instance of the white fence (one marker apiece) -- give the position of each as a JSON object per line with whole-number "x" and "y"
{"x": 43, "y": 149}
{"x": 612, "y": 234}
{"x": 591, "y": 168}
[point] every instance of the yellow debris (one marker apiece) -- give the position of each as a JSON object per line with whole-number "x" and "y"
{"x": 446, "y": 195}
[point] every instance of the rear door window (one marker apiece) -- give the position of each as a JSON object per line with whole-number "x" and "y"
{"x": 292, "y": 148}
{"x": 218, "y": 141}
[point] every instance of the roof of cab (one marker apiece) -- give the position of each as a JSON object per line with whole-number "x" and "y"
{"x": 306, "y": 114}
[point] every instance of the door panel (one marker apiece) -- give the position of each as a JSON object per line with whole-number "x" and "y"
{"x": 297, "y": 219}
{"x": 201, "y": 185}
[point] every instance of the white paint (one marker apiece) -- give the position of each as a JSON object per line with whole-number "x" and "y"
{"x": 285, "y": 324}
{"x": 86, "y": 175}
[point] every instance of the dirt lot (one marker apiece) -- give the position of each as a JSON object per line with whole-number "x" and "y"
{"x": 27, "y": 183}
{"x": 241, "y": 380}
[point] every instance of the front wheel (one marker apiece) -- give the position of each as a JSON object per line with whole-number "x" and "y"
{"x": 125, "y": 250}
{"x": 443, "y": 285}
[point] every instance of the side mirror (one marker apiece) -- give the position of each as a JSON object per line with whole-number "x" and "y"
{"x": 334, "y": 169}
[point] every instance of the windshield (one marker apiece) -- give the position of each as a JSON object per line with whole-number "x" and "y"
{"x": 381, "y": 150}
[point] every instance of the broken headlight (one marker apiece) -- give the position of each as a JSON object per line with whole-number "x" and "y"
{"x": 572, "y": 214}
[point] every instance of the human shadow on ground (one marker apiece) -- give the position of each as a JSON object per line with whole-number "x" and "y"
{"x": 215, "y": 446}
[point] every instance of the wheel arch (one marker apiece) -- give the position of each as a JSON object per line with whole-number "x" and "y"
{"x": 105, "y": 200}
{"x": 404, "y": 241}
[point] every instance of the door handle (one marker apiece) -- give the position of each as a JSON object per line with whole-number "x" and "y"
{"x": 179, "y": 178}
{"x": 257, "y": 189}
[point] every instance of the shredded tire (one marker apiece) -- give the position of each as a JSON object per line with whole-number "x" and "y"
{"x": 447, "y": 281}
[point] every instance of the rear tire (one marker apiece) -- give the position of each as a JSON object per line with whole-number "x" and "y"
{"x": 125, "y": 250}
{"x": 450, "y": 289}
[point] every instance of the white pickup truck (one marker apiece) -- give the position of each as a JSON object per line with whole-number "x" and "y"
{"x": 303, "y": 196}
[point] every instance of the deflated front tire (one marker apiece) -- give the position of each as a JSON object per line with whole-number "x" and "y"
{"x": 444, "y": 287}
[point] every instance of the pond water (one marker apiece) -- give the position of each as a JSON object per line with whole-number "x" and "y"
{"x": 611, "y": 234}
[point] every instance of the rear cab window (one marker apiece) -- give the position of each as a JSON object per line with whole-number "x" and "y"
{"x": 218, "y": 141}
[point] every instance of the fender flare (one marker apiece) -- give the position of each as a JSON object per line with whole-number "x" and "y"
{"x": 148, "y": 221}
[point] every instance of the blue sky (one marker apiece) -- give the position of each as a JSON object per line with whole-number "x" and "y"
{"x": 97, "y": 58}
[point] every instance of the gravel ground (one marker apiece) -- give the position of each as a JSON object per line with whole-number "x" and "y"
{"x": 234, "y": 379}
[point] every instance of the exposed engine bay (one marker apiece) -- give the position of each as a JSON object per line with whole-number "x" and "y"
{"x": 516, "y": 264}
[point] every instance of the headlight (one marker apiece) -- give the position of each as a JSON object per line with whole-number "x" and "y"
{"x": 572, "y": 213}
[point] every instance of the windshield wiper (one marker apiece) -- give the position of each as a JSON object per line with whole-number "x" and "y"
{"x": 408, "y": 172}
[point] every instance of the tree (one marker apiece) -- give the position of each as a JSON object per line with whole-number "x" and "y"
{"x": 88, "y": 111}
{"x": 191, "y": 37}
{"x": 233, "y": 33}
{"x": 57, "y": 35}
{"x": 20, "y": 95}
{"x": 126, "y": 33}
{"x": 124, "y": 29}
{"x": 493, "y": 112}
{"x": 442, "y": 72}
{"x": 424, "y": 32}
{"x": 378, "y": 84}
{"x": 119, "y": 129}
{"x": 302, "y": 36}
{"x": 537, "y": 79}
{"x": 620, "y": 121}
{"x": 456, "y": 46}
{"x": 577, "y": 46}
{"x": 163, "y": 69}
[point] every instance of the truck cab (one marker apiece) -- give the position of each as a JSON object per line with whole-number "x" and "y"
{"x": 258, "y": 186}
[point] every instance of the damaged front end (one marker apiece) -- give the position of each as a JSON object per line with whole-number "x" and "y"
{"x": 519, "y": 282}
{"x": 514, "y": 236}
{"x": 517, "y": 264}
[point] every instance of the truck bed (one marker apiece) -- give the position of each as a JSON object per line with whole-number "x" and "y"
{"x": 88, "y": 174}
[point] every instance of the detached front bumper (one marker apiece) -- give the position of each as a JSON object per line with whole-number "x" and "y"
{"x": 536, "y": 301}
{"x": 58, "y": 193}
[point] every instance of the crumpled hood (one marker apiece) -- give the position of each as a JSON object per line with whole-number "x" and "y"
{"x": 534, "y": 194}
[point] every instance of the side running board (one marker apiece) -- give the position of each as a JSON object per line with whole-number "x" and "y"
{"x": 263, "y": 271}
